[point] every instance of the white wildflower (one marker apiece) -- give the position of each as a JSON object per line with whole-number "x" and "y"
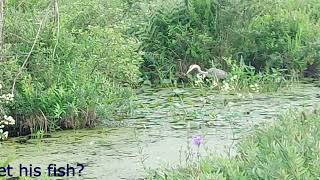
{"x": 5, "y": 134}
{"x": 233, "y": 78}
{"x": 9, "y": 120}
{"x": 199, "y": 80}
{"x": 214, "y": 83}
{"x": 226, "y": 87}
{"x": 7, "y": 97}
{"x": 255, "y": 87}
{"x": 240, "y": 95}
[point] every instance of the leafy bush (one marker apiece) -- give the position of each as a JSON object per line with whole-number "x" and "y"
{"x": 181, "y": 31}
{"x": 281, "y": 40}
{"x": 244, "y": 77}
{"x": 79, "y": 66}
{"x": 265, "y": 34}
{"x": 287, "y": 149}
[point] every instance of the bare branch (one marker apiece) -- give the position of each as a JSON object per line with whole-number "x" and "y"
{"x": 1, "y": 29}
{"x": 30, "y": 52}
{"x": 57, "y": 21}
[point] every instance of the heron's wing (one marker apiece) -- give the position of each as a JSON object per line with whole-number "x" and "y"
{"x": 214, "y": 72}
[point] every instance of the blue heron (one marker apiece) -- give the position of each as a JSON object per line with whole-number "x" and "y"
{"x": 210, "y": 73}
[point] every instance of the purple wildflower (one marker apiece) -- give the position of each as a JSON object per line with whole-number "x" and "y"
{"x": 197, "y": 140}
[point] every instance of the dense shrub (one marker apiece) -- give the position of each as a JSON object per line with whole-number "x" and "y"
{"x": 281, "y": 39}
{"x": 88, "y": 58}
{"x": 266, "y": 34}
{"x": 80, "y": 65}
{"x": 182, "y": 31}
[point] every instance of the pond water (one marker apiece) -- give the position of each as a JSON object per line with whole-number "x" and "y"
{"x": 159, "y": 131}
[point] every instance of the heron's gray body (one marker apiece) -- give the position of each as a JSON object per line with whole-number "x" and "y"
{"x": 216, "y": 73}
{"x": 210, "y": 73}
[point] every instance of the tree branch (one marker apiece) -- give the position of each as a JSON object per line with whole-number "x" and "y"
{"x": 29, "y": 54}
{"x": 1, "y": 29}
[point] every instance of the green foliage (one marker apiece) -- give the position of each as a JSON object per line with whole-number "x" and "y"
{"x": 177, "y": 32}
{"x": 81, "y": 69}
{"x": 83, "y": 64}
{"x": 243, "y": 77}
{"x": 281, "y": 39}
{"x": 266, "y": 34}
{"x": 287, "y": 149}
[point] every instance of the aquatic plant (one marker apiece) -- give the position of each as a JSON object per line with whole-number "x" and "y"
{"x": 142, "y": 156}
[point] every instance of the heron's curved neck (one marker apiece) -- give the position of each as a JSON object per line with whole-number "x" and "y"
{"x": 200, "y": 71}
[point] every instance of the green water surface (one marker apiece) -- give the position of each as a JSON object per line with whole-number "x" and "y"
{"x": 159, "y": 131}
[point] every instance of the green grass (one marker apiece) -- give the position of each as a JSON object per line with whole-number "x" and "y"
{"x": 289, "y": 148}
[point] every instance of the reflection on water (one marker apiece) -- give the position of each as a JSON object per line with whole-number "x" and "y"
{"x": 163, "y": 125}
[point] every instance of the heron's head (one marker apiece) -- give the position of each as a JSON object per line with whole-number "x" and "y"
{"x": 192, "y": 67}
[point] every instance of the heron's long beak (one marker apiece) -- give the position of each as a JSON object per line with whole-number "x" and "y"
{"x": 190, "y": 69}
